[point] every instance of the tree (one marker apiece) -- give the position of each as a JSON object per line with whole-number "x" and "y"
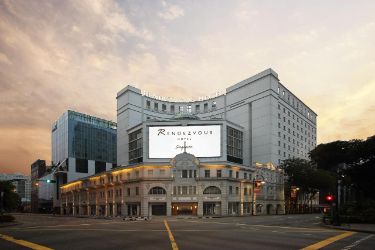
{"x": 10, "y": 199}
{"x": 309, "y": 180}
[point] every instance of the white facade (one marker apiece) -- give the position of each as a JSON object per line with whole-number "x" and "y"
{"x": 276, "y": 124}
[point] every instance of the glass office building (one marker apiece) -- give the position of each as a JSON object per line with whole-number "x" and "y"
{"x": 85, "y": 144}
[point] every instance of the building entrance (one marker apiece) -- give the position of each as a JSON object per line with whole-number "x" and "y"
{"x": 159, "y": 209}
{"x": 184, "y": 208}
{"x": 211, "y": 208}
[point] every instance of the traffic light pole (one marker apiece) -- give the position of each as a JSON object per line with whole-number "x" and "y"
{"x": 253, "y": 199}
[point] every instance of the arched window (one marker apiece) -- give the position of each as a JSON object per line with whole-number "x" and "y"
{"x": 157, "y": 190}
{"x": 212, "y": 190}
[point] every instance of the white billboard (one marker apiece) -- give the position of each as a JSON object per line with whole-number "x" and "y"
{"x": 168, "y": 141}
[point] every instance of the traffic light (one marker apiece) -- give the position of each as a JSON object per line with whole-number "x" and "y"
{"x": 329, "y": 198}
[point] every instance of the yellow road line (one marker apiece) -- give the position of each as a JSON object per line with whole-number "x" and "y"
{"x": 24, "y": 243}
{"x": 171, "y": 238}
{"x": 328, "y": 241}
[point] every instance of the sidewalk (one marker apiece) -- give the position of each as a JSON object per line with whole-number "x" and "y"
{"x": 362, "y": 228}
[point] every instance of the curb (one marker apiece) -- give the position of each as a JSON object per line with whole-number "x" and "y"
{"x": 349, "y": 229}
{"x": 10, "y": 225}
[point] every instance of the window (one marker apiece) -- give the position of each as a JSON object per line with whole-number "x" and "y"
{"x": 189, "y": 108}
{"x": 283, "y": 92}
{"x": 172, "y": 108}
{"x": 230, "y": 173}
{"x": 135, "y": 147}
{"x": 237, "y": 190}
{"x": 181, "y": 109}
{"x": 245, "y": 175}
{"x": 214, "y": 105}
{"x": 156, "y": 106}
{"x": 148, "y": 104}
{"x": 278, "y": 90}
{"x": 128, "y": 190}
{"x": 237, "y": 174}
{"x": 205, "y": 107}
{"x": 218, "y": 173}
{"x": 82, "y": 166}
{"x": 230, "y": 190}
{"x": 163, "y": 107}
{"x": 100, "y": 166}
{"x": 234, "y": 145}
{"x": 207, "y": 173}
{"x": 245, "y": 191}
{"x": 157, "y": 190}
{"x": 136, "y": 190}
{"x": 190, "y": 173}
{"x": 212, "y": 190}
{"x": 197, "y": 108}
{"x": 150, "y": 172}
{"x": 184, "y": 174}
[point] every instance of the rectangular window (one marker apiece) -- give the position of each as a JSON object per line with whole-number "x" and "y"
{"x": 230, "y": 190}
{"x": 150, "y": 172}
{"x": 128, "y": 190}
{"x": 245, "y": 175}
{"x": 245, "y": 191}
{"x": 197, "y": 108}
{"x": 218, "y": 173}
{"x": 135, "y": 147}
{"x": 205, "y": 107}
{"x": 207, "y": 173}
{"x": 172, "y": 108}
{"x": 163, "y": 107}
{"x": 230, "y": 173}
{"x": 136, "y": 190}
{"x": 234, "y": 145}
{"x": 82, "y": 166}
{"x": 181, "y": 109}
{"x": 188, "y": 108}
{"x": 237, "y": 174}
{"x": 184, "y": 174}
{"x": 100, "y": 166}
{"x": 148, "y": 104}
{"x": 184, "y": 190}
{"x": 214, "y": 105}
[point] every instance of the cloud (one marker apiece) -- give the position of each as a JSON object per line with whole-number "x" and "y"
{"x": 171, "y": 12}
{"x": 4, "y": 59}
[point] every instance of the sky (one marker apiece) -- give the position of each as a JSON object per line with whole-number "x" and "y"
{"x": 74, "y": 54}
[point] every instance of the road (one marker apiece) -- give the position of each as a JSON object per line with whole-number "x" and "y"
{"x": 260, "y": 232}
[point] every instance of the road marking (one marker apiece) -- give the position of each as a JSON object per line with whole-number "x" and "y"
{"x": 328, "y": 241}
{"x": 265, "y": 226}
{"x": 171, "y": 238}
{"x": 357, "y": 242}
{"x": 24, "y": 243}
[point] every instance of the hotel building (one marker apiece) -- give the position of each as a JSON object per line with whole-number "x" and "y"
{"x": 203, "y": 157}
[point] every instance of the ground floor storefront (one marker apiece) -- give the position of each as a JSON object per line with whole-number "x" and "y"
{"x": 147, "y": 209}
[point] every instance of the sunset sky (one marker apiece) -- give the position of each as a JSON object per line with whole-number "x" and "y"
{"x": 59, "y": 55}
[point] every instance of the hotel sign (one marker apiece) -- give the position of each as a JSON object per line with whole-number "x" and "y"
{"x": 168, "y": 141}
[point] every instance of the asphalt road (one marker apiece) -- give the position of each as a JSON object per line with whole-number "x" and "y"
{"x": 260, "y": 232}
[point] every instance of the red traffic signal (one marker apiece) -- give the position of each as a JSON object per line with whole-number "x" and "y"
{"x": 329, "y": 198}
